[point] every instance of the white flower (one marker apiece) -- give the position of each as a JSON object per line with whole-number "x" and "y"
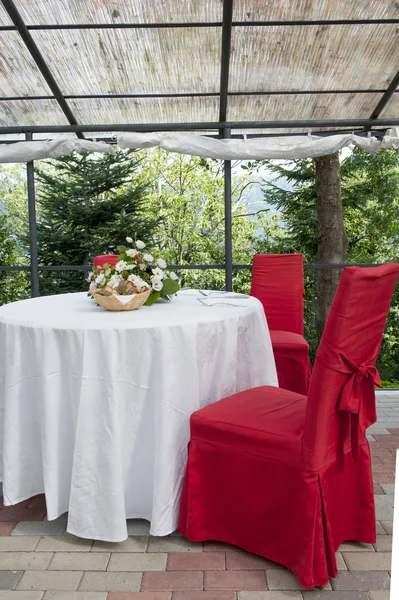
{"x": 108, "y": 272}
{"x": 129, "y": 240}
{"x": 172, "y": 275}
{"x": 148, "y": 257}
{"x": 140, "y": 245}
{"x": 131, "y": 267}
{"x": 142, "y": 267}
{"x": 131, "y": 252}
{"x": 121, "y": 266}
{"x": 93, "y": 286}
{"x": 100, "y": 279}
{"x": 158, "y": 273}
{"x": 157, "y": 284}
{"x": 115, "y": 281}
{"x": 90, "y": 275}
{"x": 161, "y": 263}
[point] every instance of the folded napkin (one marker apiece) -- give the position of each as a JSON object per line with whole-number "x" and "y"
{"x": 223, "y": 300}
{"x": 124, "y": 299}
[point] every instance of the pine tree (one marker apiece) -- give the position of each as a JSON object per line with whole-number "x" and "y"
{"x": 87, "y": 205}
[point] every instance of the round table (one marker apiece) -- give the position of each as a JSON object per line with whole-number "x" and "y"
{"x": 96, "y": 404}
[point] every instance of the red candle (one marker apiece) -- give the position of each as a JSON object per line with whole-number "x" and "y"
{"x": 109, "y": 259}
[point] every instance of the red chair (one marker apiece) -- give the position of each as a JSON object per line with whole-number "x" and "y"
{"x": 287, "y": 476}
{"x": 277, "y": 281}
{"x": 102, "y": 259}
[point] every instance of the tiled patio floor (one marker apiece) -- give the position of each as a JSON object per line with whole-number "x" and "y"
{"x": 38, "y": 561}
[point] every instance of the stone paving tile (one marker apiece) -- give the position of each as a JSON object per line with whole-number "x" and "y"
{"x": 25, "y": 561}
{"x": 18, "y": 543}
{"x": 9, "y": 579}
{"x": 379, "y": 595}
{"x": 46, "y": 580}
{"x": 138, "y": 527}
{"x": 8, "y": 595}
{"x": 75, "y": 596}
{"x": 131, "y": 561}
{"x": 384, "y": 508}
{"x": 384, "y": 543}
{"x": 283, "y": 579}
{"x": 270, "y": 595}
{"x": 212, "y": 595}
{"x": 21, "y": 513}
{"x": 236, "y": 561}
{"x": 40, "y": 528}
{"x": 341, "y": 564}
{"x": 388, "y": 488}
{"x": 361, "y": 580}
{"x": 235, "y": 580}
{"x": 388, "y": 526}
{"x": 110, "y": 582}
{"x": 62, "y": 543}
{"x": 6, "y": 527}
{"x": 77, "y": 561}
{"x": 361, "y": 561}
{"x": 378, "y": 431}
{"x": 380, "y": 530}
{"x": 141, "y": 596}
{"x": 173, "y": 544}
{"x": 356, "y": 547}
{"x": 220, "y": 547}
{"x": 313, "y": 595}
{"x": 196, "y": 561}
{"x": 172, "y": 580}
{"x": 38, "y": 501}
{"x": 132, "y": 544}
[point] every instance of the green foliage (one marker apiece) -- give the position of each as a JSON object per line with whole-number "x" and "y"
{"x": 13, "y": 285}
{"x": 86, "y": 204}
{"x": 188, "y": 195}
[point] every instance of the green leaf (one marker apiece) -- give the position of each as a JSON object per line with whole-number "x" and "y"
{"x": 121, "y": 249}
{"x": 170, "y": 286}
{"x": 153, "y": 297}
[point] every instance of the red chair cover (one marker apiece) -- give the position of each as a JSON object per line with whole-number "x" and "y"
{"x": 102, "y": 259}
{"x": 277, "y": 281}
{"x": 287, "y": 476}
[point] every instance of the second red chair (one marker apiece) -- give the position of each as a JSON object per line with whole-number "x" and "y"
{"x": 277, "y": 281}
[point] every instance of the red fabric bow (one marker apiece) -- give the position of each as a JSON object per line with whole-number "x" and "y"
{"x": 357, "y": 395}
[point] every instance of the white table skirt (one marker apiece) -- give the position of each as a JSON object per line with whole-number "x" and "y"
{"x": 95, "y": 405}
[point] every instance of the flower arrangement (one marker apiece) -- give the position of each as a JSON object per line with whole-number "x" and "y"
{"x": 134, "y": 272}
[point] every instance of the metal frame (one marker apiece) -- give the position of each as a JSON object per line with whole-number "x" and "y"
{"x": 222, "y": 128}
{"x": 199, "y": 24}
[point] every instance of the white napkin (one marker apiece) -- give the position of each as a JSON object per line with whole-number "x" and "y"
{"x": 238, "y": 302}
{"x": 124, "y": 299}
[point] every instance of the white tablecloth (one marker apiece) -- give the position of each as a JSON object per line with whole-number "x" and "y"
{"x": 95, "y": 405}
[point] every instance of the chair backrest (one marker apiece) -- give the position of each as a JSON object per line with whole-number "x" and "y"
{"x": 341, "y": 399}
{"x": 277, "y": 281}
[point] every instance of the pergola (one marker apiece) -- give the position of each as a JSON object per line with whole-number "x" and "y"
{"x": 91, "y": 68}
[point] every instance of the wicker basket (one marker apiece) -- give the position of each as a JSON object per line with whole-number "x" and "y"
{"x": 112, "y": 303}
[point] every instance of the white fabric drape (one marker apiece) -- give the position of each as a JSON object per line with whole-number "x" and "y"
{"x": 27, "y": 151}
{"x": 308, "y": 146}
{"x": 298, "y": 146}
